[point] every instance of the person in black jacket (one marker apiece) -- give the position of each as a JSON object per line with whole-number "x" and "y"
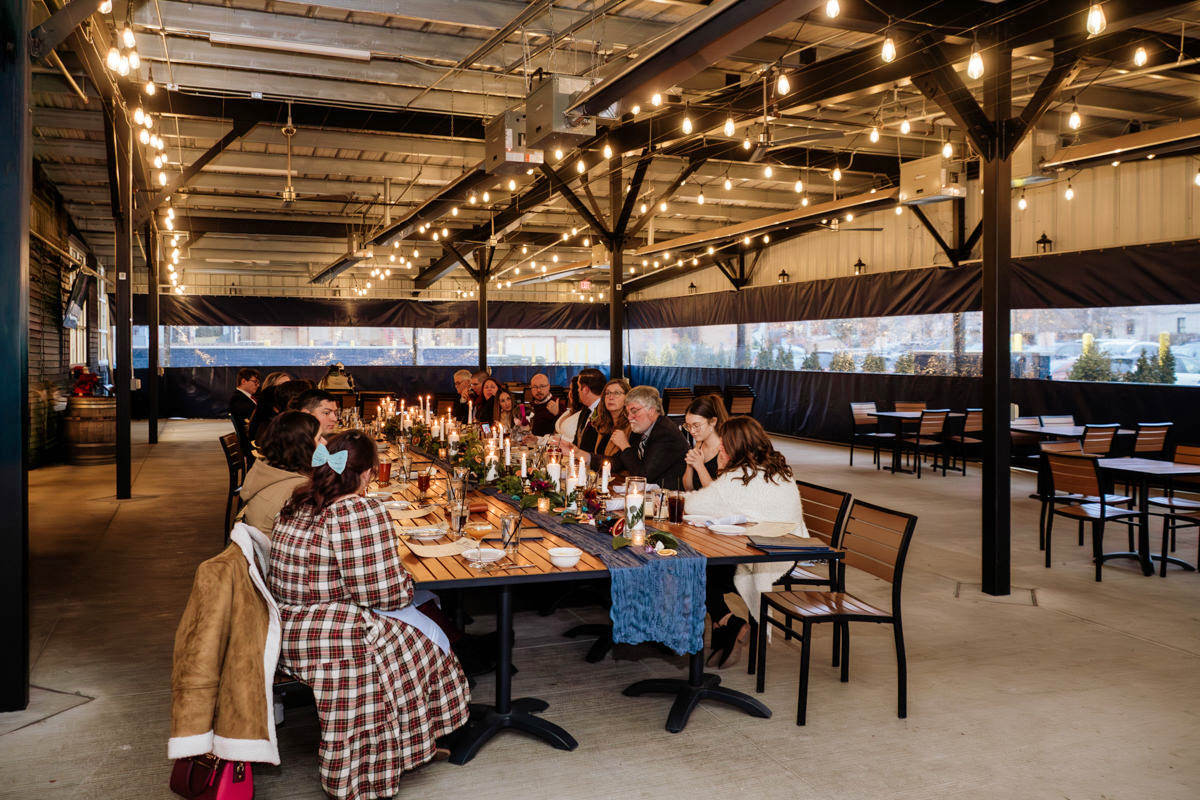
{"x": 656, "y": 447}
{"x": 591, "y": 391}
{"x": 242, "y": 405}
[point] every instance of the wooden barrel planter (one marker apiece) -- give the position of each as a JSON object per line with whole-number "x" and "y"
{"x": 91, "y": 430}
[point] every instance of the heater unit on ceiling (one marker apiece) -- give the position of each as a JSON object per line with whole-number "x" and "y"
{"x": 931, "y": 180}
{"x": 504, "y": 148}
{"x": 546, "y": 123}
{"x": 1034, "y": 150}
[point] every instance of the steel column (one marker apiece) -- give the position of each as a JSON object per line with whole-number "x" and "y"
{"x": 16, "y": 184}
{"x": 616, "y": 304}
{"x": 482, "y": 282}
{"x": 997, "y": 235}
{"x": 123, "y": 228}
{"x": 152, "y": 325}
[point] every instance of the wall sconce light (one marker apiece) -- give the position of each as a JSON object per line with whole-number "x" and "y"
{"x": 783, "y": 276}
{"x": 1045, "y": 244}
{"x": 692, "y": 288}
{"x": 859, "y": 267}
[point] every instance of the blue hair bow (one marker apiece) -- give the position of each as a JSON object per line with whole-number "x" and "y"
{"x": 336, "y": 461}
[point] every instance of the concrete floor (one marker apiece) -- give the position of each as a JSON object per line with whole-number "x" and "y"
{"x": 1065, "y": 689}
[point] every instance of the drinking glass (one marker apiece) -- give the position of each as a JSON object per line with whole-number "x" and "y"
{"x": 405, "y": 466}
{"x": 635, "y": 510}
{"x": 385, "y": 473}
{"x": 675, "y": 506}
{"x": 456, "y": 511}
{"x": 423, "y": 479}
{"x": 510, "y": 534}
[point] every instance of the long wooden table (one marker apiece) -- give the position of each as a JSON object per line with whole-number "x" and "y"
{"x": 520, "y": 714}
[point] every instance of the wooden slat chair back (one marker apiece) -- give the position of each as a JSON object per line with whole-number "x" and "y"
{"x": 676, "y": 400}
{"x": 909, "y": 405}
{"x": 701, "y": 389}
{"x": 1057, "y": 419}
{"x": 1045, "y": 484}
{"x": 1187, "y": 454}
{"x": 876, "y": 540}
{"x": 865, "y": 428}
{"x": 973, "y": 423}
{"x": 933, "y": 422}
{"x": 1079, "y": 475}
{"x": 1151, "y": 437}
{"x": 860, "y": 415}
{"x": 444, "y": 403}
{"x": 1073, "y": 473}
{"x": 1024, "y": 438}
{"x": 346, "y": 399}
{"x": 1098, "y": 439}
{"x": 824, "y": 511}
{"x": 739, "y": 399}
{"x": 236, "y": 465}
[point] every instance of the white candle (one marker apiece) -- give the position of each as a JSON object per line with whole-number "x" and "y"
{"x": 454, "y": 437}
{"x": 470, "y": 412}
{"x": 572, "y": 482}
{"x": 523, "y": 472}
{"x": 508, "y": 452}
{"x": 605, "y": 474}
{"x": 637, "y": 535}
{"x": 554, "y": 470}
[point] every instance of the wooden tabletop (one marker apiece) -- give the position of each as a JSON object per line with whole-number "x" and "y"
{"x": 1148, "y": 466}
{"x": 906, "y": 415}
{"x": 451, "y": 571}
{"x": 1063, "y": 431}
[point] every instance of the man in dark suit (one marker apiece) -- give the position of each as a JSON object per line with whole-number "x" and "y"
{"x": 655, "y": 447}
{"x": 591, "y": 390}
{"x": 242, "y": 405}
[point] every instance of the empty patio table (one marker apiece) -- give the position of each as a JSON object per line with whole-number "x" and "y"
{"x": 898, "y": 418}
{"x": 1062, "y": 431}
{"x": 1143, "y": 472}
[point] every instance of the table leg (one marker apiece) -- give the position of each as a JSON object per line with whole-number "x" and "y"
{"x": 486, "y": 721}
{"x": 1144, "y": 526}
{"x": 688, "y": 693}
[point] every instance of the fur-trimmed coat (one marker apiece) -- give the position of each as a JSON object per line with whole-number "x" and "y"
{"x": 226, "y": 648}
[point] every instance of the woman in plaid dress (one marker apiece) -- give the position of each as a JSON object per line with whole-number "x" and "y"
{"x": 384, "y": 691}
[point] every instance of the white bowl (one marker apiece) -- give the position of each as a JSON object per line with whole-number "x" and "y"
{"x": 564, "y": 557}
{"x": 486, "y": 555}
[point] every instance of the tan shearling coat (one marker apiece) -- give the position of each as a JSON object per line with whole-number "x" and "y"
{"x": 226, "y": 648}
{"x": 265, "y": 491}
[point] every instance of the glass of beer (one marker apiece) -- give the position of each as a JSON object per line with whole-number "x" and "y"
{"x": 385, "y": 473}
{"x": 675, "y": 505}
{"x": 423, "y": 480}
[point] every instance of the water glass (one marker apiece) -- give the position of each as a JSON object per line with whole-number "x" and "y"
{"x": 510, "y": 534}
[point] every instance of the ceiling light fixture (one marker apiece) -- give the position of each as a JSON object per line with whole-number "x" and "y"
{"x": 905, "y": 126}
{"x": 1074, "y": 121}
{"x": 888, "y": 51}
{"x": 836, "y": 174}
{"x": 782, "y": 84}
{"x": 1070, "y": 192}
{"x": 947, "y": 150}
{"x": 1139, "y": 57}
{"x": 975, "y": 63}
{"x": 729, "y": 128}
{"x": 656, "y": 100}
{"x": 687, "y": 124}
{"x": 832, "y": 8}
{"x": 728, "y": 184}
{"x": 1096, "y": 23}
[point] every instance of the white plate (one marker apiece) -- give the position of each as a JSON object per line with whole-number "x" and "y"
{"x": 399, "y": 505}
{"x": 381, "y": 496}
{"x": 487, "y": 555}
{"x": 425, "y": 532}
{"x": 696, "y": 519}
{"x": 728, "y": 530}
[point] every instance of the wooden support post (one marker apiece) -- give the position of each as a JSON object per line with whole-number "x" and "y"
{"x": 616, "y": 245}
{"x": 152, "y": 332}
{"x": 997, "y": 246}
{"x": 481, "y": 280}
{"x": 16, "y": 186}
{"x": 123, "y": 372}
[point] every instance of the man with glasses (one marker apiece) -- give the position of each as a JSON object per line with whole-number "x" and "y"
{"x": 656, "y": 446}
{"x": 462, "y": 387}
{"x": 541, "y": 413}
{"x": 242, "y": 405}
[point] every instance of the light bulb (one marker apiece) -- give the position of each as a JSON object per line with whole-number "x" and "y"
{"x": 729, "y": 126}
{"x": 636, "y": 109}
{"x": 368, "y": 284}
{"x": 543, "y": 268}
{"x": 1074, "y": 121}
{"x": 512, "y": 184}
{"x": 554, "y": 258}
{"x": 804, "y": 201}
{"x": 746, "y": 143}
{"x": 123, "y": 66}
{"x": 700, "y": 198}
{"x": 435, "y": 236}
{"x": 1096, "y": 23}
{"x": 832, "y": 8}
{"x": 687, "y": 124}
{"x": 767, "y": 171}
{"x": 127, "y": 37}
{"x": 728, "y": 184}
{"x": 899, "y": 210}
{"x": 888, "y": 52}
{"x": 170, "y": 223}
{"x": 947, "y": 150}
{"x": 392, "y": 258}
{"x": 517, "y": 271}
{"x": 1196, "y": 179}
{"x": 144, "y": 136}
{"x": 580, "y": 167}
{"x": 170, "y": 212}
{"x": 587, "y": 242}
{"x": 574, "y": 231}
{"x": 487, "y": 196}
{"x": 135, "y": 60}
{"x": 746, "y": 240}
{"x": 454, "y": 211}
{"x": 445, "y": 233}
{"x": 416, "y": 253}
{"x": 643, "y": 208}
{"x": 975, "y": 64}
{"x": 1022, "y": 204}
{"x": 1069, "y": 193}
{"x": 849, "y": 218}
{"x": 608, "y": 149}
{"x": 162, "y": 178}
{"x": 565, "y": 236}
{"x": 905, "y": 127}
{"x": 158, "y": 142}
{"x": 113, "y": 59}
{"x": 148, "y": 121}
{"x": 799, "y": 187}
{"x": 710, "y": 250}
{"x": 766, "y": 238}
{"x": 524, "y": 249}
{"x": 105, "y": 7}
{"x": 662, "y": 206}
{"x": 558, "y": 154}
{"x": 473, "y": 199}
{"x": 836, "y": 174}
{"x": 656, "y": 100}
{"x": 150, "y": 88}
{"x": 782, "y": 84}
{"x": 387, "y": 273}
{"x": 396, "y": 244}
{"x": 1139, "y": 57}
{"x": 874, "y": 135}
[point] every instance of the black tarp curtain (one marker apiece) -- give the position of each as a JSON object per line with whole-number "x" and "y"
{"x": 1151, "y": 274}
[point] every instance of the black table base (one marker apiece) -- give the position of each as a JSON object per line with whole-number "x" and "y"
{"x": 507, "y": 714}
{"x": 604, "y": 642}
{"x": 688, "y": 694}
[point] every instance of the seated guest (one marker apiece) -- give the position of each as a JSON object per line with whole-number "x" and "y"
{"x": 700, "y": 421}
{"x": 286, "y": 393}
{"x": 321, "y": 405}
{"x": 505, "y": 410}
{"x": 591, "y": 391}
{"x": 286, "y": 448}
{"x": 486, "y": 406}
{"x": 268, "y": 403}
{"x": 385, "y": 682}
{"x": 241, "y": 407}
{"x": 608, "y": 418}
{"x": 753, "y": 481}
{"x": 568, "y": 420}
{"x": 337, "y": 379}
{"x": 477, "y": 379}
{"x": 541, "y": 411}
{"x": 656, "y": 447}
{"x": 275, "y": 378}
{"x": 462, "y": 388}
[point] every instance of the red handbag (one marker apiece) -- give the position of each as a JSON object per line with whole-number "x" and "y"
{"x": 207, "y": 777}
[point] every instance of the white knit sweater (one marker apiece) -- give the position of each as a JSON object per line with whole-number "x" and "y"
{"x": 760, "y": 501}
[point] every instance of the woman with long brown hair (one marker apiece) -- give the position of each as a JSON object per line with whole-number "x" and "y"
{"x": 608, "y": 417}
{"x": 703, "y": 417}
{"x": 753, "y": 482}
{"x": 385, "y": 682}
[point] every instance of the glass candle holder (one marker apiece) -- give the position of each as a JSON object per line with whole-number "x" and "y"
{"x": 635, "y": 510}
{"x": 543, "y": 505}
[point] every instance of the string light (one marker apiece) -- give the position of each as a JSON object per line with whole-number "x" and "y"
{"x": 700, "y": 198}
{"x": 728, "y": 184}
{"x": 445, "y": 233}
{"x": 804, "y": 201}
{"x": 135, "y": 60}
{"x": 947, "y": 150}
{"x": 454, "y": 211}
{"x": 127, "y": 37}
{"x": 832, "y": 8}
{"x": 473, "y": 199}
{"x": 874, "y": 135}
{"x": 767, "y": 171}
{"x": 836, "y": 174}
{"x": 710, "y": 250}
{"x": 558, "y": 154}
{"x": 123, "y": 66}
{"x": 435, "y": 236}
{"x": 687, "y": 124}
{"x": 662, "y": 206}
{"x": 746, "y": 240}
{"x": 766, "y": 238}
{"x": 150, "y": 88}
{"x": 643, "y": 208}
{"x": 113, "y": 59}
{"x": 905, "y": 126}
{"x": 1074, "y": 121}
{"x": 636, "y": 109}
{"x": 729, "y": 126}
{"x": 580, "y": 167}
{"x": 1022, "y": 203}
{"x": 144, "y": 136}
{"x": 554, "y": 258}
{"x": 162, "y": 179}
{"x": 1070, "y": 192}
{"x": 746, "y": 143}
{"x": 106, "y": 7}
{"x": 524, "y": 249}
{"x": 1196, "y": 178}
{"x": 1096, "y": 23}
{"x": 608, "y": 151}
{"x": 849, "y": 218}
{"x": 799, "y": 187}
{"x": 656, "y": 100}
{"x": 899, "y": 210}
{"x": 487, "y": 196}
{"x": 975, "y": 63}
{"x": 1139, "y": 57}
{"x": 782, "y": 84}
{"x": 888, "y": 52}
{"x": 512, "y": 184}
{"x": 574, "y": 231}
